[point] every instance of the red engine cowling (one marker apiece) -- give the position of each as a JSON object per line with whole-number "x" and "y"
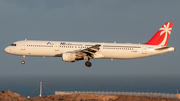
{"x": 70, "y": 57}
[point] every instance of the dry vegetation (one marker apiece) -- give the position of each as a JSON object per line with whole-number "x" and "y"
{"x": 10, "y": 96}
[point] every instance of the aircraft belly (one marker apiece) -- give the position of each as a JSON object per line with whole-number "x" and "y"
{"x": 38, "y": 52}
{"x": 117, "y": 54}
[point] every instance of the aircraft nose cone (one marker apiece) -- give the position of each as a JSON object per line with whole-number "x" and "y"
{"x": 7, "y": 50}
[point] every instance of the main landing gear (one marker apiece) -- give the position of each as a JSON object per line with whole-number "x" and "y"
{"x": 88, "y": 64}
{"x": 23, "y": 62}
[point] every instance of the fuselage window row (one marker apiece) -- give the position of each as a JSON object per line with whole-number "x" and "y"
{"x": 118, "y": 48}
{"x": 72, "y": 47}
{"x": 39, "y": 46}
{"x": 77, "y": 47}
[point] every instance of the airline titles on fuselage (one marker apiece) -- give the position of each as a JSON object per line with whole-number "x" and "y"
{"x": 64, "y": 43}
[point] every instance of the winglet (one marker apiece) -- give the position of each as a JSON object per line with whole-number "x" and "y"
{"x": 162, "y": 35}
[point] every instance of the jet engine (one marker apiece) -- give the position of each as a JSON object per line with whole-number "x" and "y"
{"x": 71, "y": 57}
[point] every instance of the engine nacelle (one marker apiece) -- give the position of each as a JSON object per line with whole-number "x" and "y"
{"x": 70, "y": 57}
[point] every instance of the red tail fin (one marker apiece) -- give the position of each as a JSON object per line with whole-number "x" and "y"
{"x": 162, "y": 35}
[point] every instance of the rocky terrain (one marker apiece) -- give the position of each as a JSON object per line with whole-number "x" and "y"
{"x": 10, "y": 96}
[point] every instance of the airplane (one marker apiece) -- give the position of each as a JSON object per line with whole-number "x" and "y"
{"x": 75, "y": 51}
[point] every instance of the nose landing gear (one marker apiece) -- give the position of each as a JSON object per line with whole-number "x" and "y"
{"x": 23, "y": 62}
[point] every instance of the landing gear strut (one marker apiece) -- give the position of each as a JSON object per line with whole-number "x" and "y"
{"x": 88, "y": 64}
{"x": 23, "y": 62}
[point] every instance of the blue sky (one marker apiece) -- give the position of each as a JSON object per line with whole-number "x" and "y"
{"x": 88, "y": 21}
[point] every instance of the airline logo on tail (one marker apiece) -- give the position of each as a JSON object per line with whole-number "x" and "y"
{"x": 162, "y": 35}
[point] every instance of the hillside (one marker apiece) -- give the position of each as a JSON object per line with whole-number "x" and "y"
{"x": 10, "y": 96}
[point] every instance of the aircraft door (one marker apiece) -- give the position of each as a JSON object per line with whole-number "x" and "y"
{"x": 144, "y": 50}
{"x": 23, "y": 45}
{"x": 56, "y": 47}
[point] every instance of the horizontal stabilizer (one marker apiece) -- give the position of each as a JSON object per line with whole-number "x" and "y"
{"x": 164, "y": 48}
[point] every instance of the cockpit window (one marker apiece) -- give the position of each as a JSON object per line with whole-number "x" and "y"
{"x": 13, "y": 44}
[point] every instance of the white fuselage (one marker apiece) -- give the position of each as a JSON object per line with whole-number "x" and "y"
{"x": 107, "y": 50}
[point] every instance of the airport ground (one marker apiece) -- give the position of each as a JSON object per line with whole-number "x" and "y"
{"x": 10, "y": 96}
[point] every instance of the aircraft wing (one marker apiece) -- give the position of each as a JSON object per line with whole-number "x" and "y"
{"x": 88, "y": 52}
{"x": 91, "y": 50}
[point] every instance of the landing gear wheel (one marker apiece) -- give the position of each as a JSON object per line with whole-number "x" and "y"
{"x": 88, "y": 64}
{"x": 23, "y": 62}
